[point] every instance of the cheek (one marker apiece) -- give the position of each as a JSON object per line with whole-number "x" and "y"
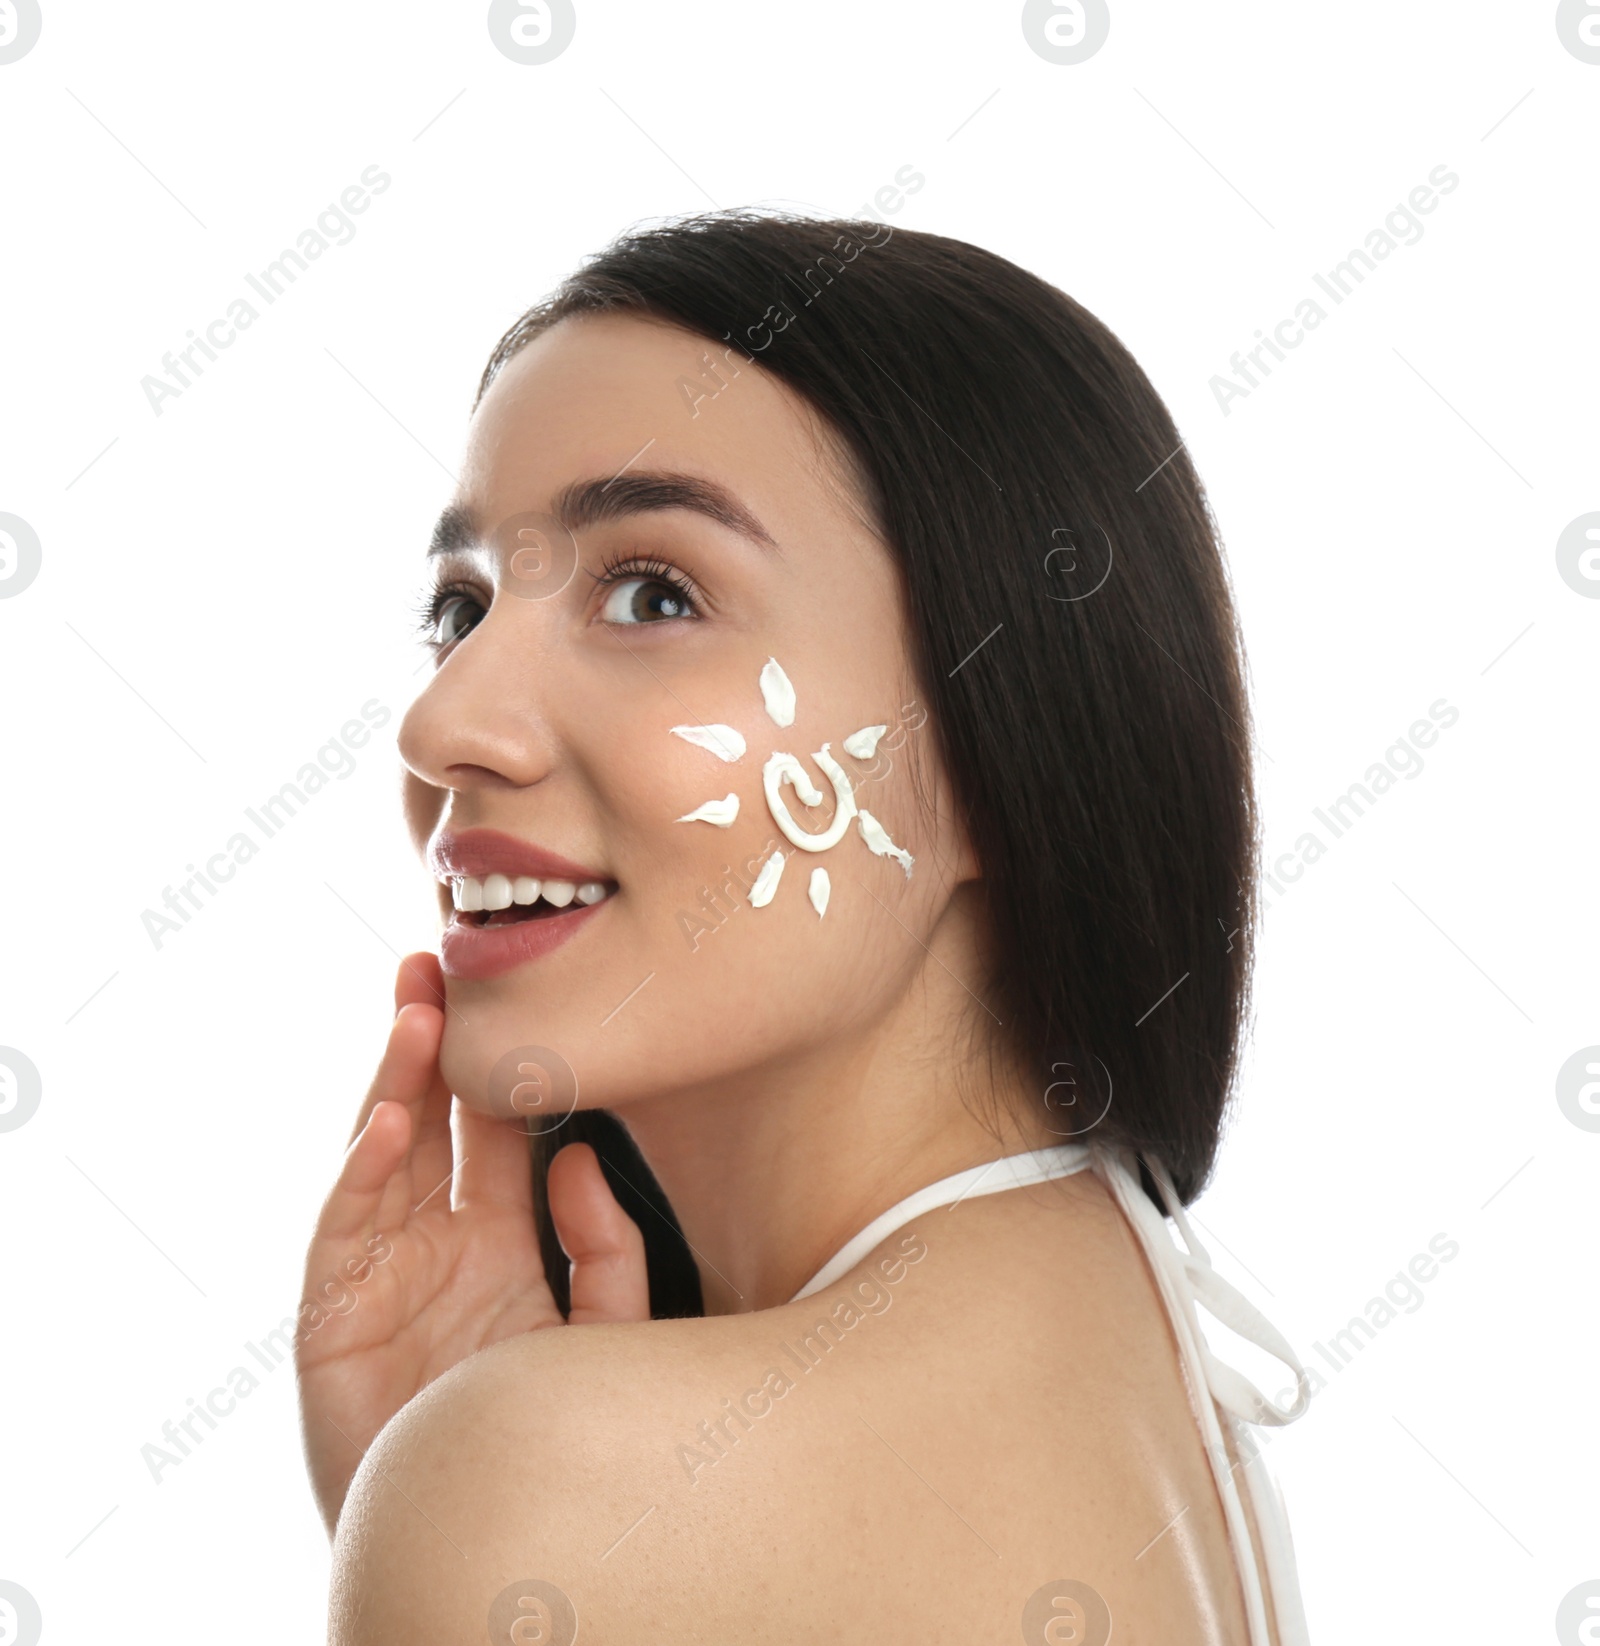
{"x": 690, "y": 979}
{"x": 738, "y": 988}
{"x": 697, "y": 987}
{"x": 701, "y": 836}
{"x": 751, "y": 989}
{"x": 740, "y": 980}
{"x": 783, "y": 961}
{"x": 680, "y": 823}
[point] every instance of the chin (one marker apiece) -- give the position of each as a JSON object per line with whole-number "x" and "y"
{"x": 514, "y": 1074}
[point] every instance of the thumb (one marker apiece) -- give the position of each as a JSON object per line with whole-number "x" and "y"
{"x": 604, "y": 1245}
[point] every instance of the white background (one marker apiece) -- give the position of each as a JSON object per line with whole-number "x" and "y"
{"x": 225, "y": 584}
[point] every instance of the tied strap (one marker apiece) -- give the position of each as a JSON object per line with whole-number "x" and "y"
{"x": 1190, "y": 1273}
{"x": 1222, "y": 1396}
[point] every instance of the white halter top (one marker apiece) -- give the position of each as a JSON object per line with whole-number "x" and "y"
{"x": 1220, "y": 1394}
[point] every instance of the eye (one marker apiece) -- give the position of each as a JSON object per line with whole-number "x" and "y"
{"x": 448, "y": 614}
{"x": 459, "y": 615}
{"x": 642, "y": 600}
{"x": 644, "y": 591}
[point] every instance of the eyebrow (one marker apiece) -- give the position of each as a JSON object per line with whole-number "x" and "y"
{"x": 592, "y": 502}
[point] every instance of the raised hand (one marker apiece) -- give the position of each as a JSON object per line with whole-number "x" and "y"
{"x": 426, "y": 1249}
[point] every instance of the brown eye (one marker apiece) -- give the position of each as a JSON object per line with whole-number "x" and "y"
{"x": 455, "y": 615}
{"x": 644, "y": 600}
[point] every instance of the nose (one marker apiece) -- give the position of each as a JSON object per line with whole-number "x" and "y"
{"x": 478, "y": 723}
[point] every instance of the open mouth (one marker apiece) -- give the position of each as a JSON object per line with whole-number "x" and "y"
{"x": 503, "y": 900}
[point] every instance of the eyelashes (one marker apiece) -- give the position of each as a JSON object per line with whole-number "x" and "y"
{"x": 622, "y": 568}
{"x": 429, "y": 611}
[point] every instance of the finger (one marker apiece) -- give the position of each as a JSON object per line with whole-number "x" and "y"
{"x": 494, "y": 1168}
{"x": 433, "y": 1148}
{"x": 410, "y": 1062}
{"x": 420, "y": 979}
{"x": 370, "y": 1164}
{"x": 609, "y": 1277}
{"x": 417, "y": 1084}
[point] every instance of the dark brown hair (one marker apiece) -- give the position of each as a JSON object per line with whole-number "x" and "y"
{"x": 1074, "y": 640}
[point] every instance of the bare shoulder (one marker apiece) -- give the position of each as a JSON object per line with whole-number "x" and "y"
{"x": 913, "y": 1446}
{"x": 651, "y": 1480}
{"x": 579, "y": 1462}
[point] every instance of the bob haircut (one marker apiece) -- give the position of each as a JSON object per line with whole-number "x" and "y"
{"x": 1031, "y": 486}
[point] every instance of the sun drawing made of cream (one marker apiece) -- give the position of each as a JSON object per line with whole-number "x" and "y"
{"x": 727, "y": 744}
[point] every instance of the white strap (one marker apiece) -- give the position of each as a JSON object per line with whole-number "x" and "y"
{"x": 1218, "y": 1392}
{"x": 1016, "y": 1171}
{"x": 1185, "y": 1278}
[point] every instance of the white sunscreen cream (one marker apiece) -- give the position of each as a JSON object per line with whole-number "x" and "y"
{"x": 876, "y": 837}
{"x": 767, "y": 881}
{"x": 724, "y": 742}
{"x": 781, "y": 766}
{"x": 777, "y": 693}
{"x": 721, "y": 812}
{"x": 862, "y": 745}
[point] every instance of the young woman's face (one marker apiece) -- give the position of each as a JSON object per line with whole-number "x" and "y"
{"x": 585, "y": 610}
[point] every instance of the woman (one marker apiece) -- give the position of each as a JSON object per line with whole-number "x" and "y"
{"x": 837, "y": 783}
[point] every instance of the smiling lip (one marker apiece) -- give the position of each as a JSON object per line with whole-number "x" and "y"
{"x": 473, "y": 953}
{"x": 481, "y": 852}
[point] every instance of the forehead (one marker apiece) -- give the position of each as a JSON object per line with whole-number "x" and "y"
{"x": 607, "y": 394}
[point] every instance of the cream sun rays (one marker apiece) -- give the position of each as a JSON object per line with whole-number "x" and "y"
{"x": 778, "y": 695}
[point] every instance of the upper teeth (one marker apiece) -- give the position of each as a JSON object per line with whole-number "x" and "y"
{"x": 469, "y": 893}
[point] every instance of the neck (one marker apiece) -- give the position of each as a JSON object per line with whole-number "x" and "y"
{"x": 772, "y": 1171}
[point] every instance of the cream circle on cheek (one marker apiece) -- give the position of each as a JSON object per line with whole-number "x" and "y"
{"x": 782, "y": 767}
{"x": 779, "y": 697}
